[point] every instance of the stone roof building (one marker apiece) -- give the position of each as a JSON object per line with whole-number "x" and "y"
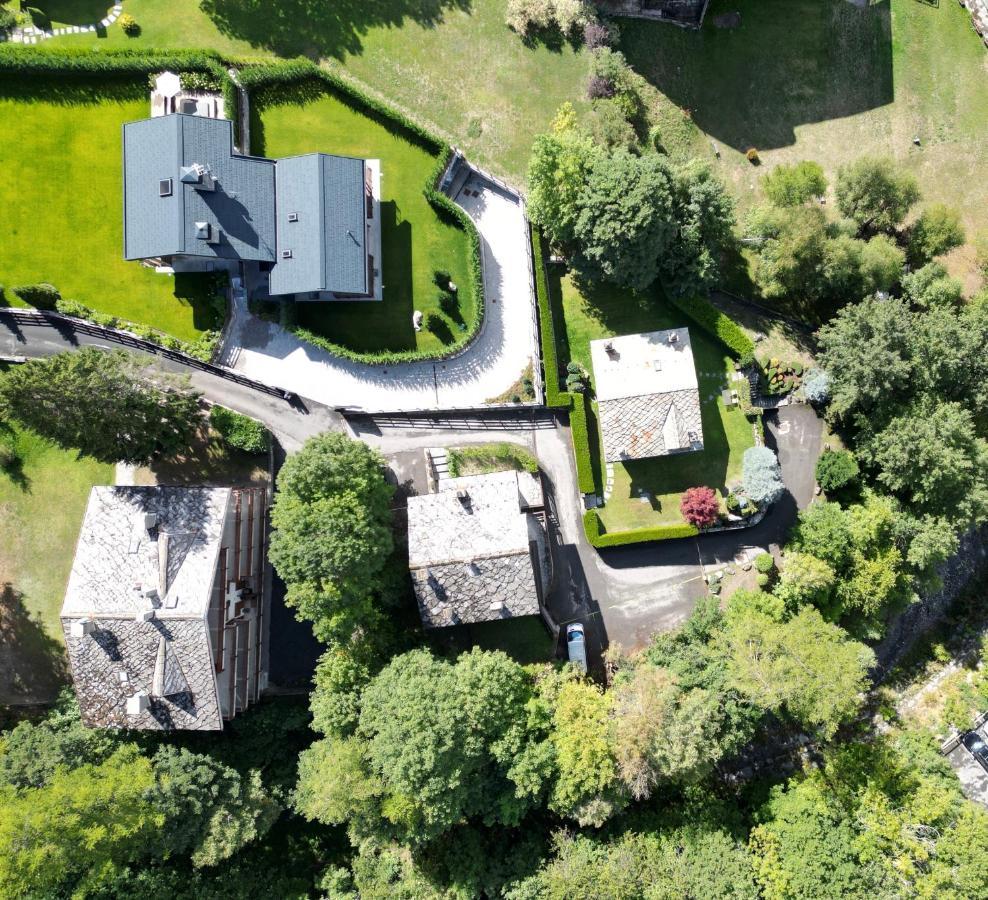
{"x": 476, "y": 550}
{"x": 192, "y": 203}
{"x": 165, "y": 613}
{"x": 647, "y": 395}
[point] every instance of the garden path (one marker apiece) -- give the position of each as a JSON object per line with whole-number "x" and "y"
{"x": 487, "y": 368}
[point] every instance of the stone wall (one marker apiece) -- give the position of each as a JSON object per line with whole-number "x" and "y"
{"x": 970, "y": 561}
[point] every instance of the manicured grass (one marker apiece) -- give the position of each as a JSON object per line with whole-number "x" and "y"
{"x": 606, "y": 312}
{"x": 41, "y": 510}
{"x": 825, "y": 80}
{"x": 61, "y": 202}
{"x": 416, "y": 242}
{"x": 452, "y": 63}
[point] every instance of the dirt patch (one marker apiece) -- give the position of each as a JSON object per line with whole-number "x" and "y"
{"x": 729, "y": 20}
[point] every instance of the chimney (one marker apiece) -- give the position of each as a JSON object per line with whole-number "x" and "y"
{"x": 150, "y": 521}
{"x": 464, "y": 498}
{"x": 82, "y": 627}
{"x": 137, "y": 703}
{"x": 673, "y": 337}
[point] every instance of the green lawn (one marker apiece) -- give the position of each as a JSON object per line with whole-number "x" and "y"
{"x": 452, "y": 63}
{"x": 825, "y": 80}
{"x": 41, "y": 509}
{"x": 61, "y": 202}
{"x": 607, "y": 312}
{"x": 417, "y": 244}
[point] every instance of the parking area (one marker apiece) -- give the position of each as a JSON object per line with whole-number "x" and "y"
{"x": 970, "y": 773}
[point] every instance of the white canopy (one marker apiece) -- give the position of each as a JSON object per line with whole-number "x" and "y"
{"x": 168, "y": 84}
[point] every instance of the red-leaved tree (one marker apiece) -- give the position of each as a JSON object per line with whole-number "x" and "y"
{"x": 700, "y": 506}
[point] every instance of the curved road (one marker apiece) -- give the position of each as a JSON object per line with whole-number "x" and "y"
{"x": 623, "y": 595}
{"x": 494, "y": 362}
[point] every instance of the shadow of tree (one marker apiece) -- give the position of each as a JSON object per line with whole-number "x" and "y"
{"x": 33, "y": 666}
{"x": 791, "y": 62}
{"x": 319, "y": 29}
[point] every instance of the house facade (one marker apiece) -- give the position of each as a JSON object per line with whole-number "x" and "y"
{"x": 477, "y": 549}
{"x": 648, "y": 398}
{"x": 166, "y": 611}
{"x": 309, "y": 224}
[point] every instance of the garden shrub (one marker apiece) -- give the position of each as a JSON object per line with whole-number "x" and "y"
{"x": 816, "y": 386}
{"x": 492, "y": 458}
{"x": 8, "y": 19}
{"x": 599, "y": 538}
{"x": 700, "y": 507}
{"x": 764, "y": 563}
{"x": 713, "y": 321}
{"x": 198, "y": 81}
{"x": 836, "y": 469}
{"x": 553, "y": 396}
{"x": 40, "y": 296}
{"x": 762, "y": 475}
{"x": 129, "y": 25}
{"x": 762, "y": 580}
{"x": 752, "y": 156}
{"x": 239, "y": 431}
{"x": 597, "y": 35}
{"x": 599, "y": 88}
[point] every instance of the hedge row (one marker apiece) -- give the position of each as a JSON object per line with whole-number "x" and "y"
{"x": 68, "y": 63}
{"x": 581, "y": 445}
{"x": 712, "y": 320}
{"x": 598, "y": 538}
{"x": 554, "y": 397}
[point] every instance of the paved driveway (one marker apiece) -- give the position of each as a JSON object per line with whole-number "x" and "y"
{"x": 495, "y": 361}
{"x": 973, "y": 779}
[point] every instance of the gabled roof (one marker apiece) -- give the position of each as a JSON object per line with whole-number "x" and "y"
{"x": 324, "y": 195}
{"x": 136, "y": 608}
{"x": 468, "y": 551}
{"x": 241, "y": 207}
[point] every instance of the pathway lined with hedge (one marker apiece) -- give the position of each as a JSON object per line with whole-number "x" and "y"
{"x": 31, "y": 34}
{"x": 486, "y": 368}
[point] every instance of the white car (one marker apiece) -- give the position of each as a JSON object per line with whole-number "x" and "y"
{"x": 576, "y": 646}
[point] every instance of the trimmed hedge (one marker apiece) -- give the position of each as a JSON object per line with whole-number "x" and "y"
{"x": 554, "y": 397}
{"x": 599, "y": 538}
{"x": 581, "y": 445}
{"x": 712, "y": 320}
{"x": 76, "y": 63}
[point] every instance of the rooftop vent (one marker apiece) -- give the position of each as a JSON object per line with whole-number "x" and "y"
{"x": 190, "y": 174}
{"x": 657, "y": 365}
{"x": 609, "y": 348}
{"x": 123, "y": 677}
{"x": 203, "y": 231}
{"x": 472, "y": 568}
{"x": 293, "y": 217}
{"x": 464, "y": 498}
{"x": 165, "y": 187}
{"x": 673, "y": 337}
{"x": 82, "y": 628}
{"x": 150, "y": 521}
{"x": 136, "y": 704}
{"x": 286, "y": 254}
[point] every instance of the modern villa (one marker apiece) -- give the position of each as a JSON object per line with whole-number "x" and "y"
{"x": 309, "y": 225}
{"x": 166, "y": 611}
{"x": 647, "y": 394}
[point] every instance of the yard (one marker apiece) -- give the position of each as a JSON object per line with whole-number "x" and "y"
{"x": 61, "y": 197}
{"x": 647, "y": 492}
{"x": 41, "y": 507}
{"x": 417, "y": 244}
{"x": 828, "y": 81}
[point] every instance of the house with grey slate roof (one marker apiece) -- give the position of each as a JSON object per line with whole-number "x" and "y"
{"x": 166, "y": 611}
{"x": 648, "y": 400}
{"x": 192, "y": 203}
{"x": 477, "y": 551}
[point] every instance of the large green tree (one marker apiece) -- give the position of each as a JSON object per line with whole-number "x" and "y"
{"x": 793, "y": 185}
{"x": 875, "y": 193}
{"x": 332, "y": 534}
{"x": 113, "y": 406}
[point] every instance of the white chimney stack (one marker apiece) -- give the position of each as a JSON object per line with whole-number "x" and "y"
{"x": 82, "y": 627}
{"x": 136, "y": 704}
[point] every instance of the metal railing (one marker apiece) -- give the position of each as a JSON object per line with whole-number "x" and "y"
{"x": 59, "y": 322}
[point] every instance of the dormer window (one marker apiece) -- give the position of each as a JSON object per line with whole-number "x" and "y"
{"x": 165, "y": 187}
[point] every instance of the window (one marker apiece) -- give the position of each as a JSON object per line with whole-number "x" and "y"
{"x": 165, "y": 187}
{"x": 286, "y": 254}
{"x": 293, "y": 217}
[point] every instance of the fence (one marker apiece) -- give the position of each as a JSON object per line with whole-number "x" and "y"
{"x": 59, "y": 322}
{"x": 482, "y": 418}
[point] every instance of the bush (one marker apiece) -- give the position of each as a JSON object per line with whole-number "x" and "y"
{"x": 598, "y": 538}
{"x": 762, "y": 580}
{"x": 816, "y": 386}
{"x": 574, "y": 368}
{"x": 197, "y": 81}
{"x": 938, "y": 230}
{"x": 764, "y": 563}
{"x": 700, "y": 507}
{"x": 597, "y": 35}
{"x": 599, "y": 88}
{"x": 762, "y": 475}
{"x": 40, "y": 296}
{"x": 752, "y": 156}
{"x": 8, "y": 19}
{"x": 129, "y": 25}
{"x": 713, "y": 321}
{"x": 836, "y": 469}
{"x": 239, "y": 431}
{"x": 492, "y": 458}
{"x": 793, "y": 185}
